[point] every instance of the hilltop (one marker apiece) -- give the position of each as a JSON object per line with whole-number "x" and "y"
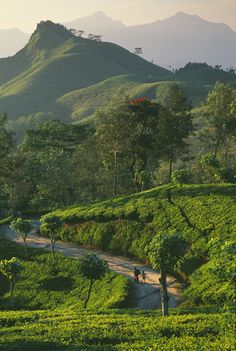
{"x": 55, "y": 62}
{"x": 59, "y": 75}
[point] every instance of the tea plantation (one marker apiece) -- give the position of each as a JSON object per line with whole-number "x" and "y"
{"x": 43, "y": 286}
{"x": 118, "y": 330}
{"x": 203, "y": 214}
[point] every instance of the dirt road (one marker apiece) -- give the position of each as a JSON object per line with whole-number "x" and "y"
{"x": 147, "y": 295}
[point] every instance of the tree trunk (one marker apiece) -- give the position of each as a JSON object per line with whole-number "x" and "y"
{"x": 115, "y": 175}
{"x": 164, "y": 295}
{"x": 170, "y": 170}
{"x": 217, "y": 145}
{"x": 53, "y": 242}
{"x": 12, "y": 284}
{"x": 89, "y": 293}
{"x": 25, "y": 247}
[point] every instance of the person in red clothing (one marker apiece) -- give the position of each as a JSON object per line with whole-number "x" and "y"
{"x": 136, "y": 274}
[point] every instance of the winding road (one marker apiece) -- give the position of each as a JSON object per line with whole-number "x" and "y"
{"x": 147, "y": 294}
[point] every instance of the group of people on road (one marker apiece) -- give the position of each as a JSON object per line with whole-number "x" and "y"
{"x": 138, "y": 273}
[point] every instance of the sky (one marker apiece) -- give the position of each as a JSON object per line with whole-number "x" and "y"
{"x": 25, "y": 14}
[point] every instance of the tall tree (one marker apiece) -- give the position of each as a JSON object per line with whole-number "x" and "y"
{"x": 175, "y": 122}
{"x": 51, "y": 226}
{"x": 11, "y": 269}
{"x": 23, "y": 227}
{"x": 221, "y": 116}
{"x": 114, "y": 127}
{"x": 165, "y": 251}
{"x": 143, "y": 138}
{"x": 92, "y": 268}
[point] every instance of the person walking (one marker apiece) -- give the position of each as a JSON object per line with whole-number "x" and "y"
{"x": 144, "y": 277}
{"x": 136, "y": 274}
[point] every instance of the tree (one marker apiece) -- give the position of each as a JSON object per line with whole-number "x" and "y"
{"x": 143, "y": 139}
{"x": 97, "y": 37}
{"x": 51, "y": 226}
{"x": 23, "y": 227}
{"x": 175, "y": 123}
{"x": 11, "y": 269}
{"x": 172, "y": 96}
{"x": 6, "y": 138}
{"x": 211, "y": 167}
{"x": 182, "y": 176}
{"x": 220, "y": 113}
{"x": 92, "y": 268}
{"x": 80, "y": 33}
{"x": 165, "y": 252}
{"x": 138, "y": 51}
{"x": 113, "y": 130}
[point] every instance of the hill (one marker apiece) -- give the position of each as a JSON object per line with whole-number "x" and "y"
{"x": 204, "y": 215}
{"x": 55, "y": 62}
{"x": 173, "y": 41}
{"x": 83, "y": 103}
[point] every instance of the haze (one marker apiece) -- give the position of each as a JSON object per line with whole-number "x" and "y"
{"x": 25, "y": 14}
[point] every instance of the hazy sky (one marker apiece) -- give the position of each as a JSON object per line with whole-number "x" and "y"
{"x": 24, "y": 14}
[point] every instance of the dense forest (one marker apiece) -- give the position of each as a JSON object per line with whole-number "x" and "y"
{"x": 132, "y": 145}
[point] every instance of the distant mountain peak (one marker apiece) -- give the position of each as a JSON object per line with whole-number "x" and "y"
{"x": 100, "y": 14}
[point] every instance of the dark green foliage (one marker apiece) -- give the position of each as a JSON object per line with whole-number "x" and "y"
{"x": 204, "y": 73}
{"x": 166, "y": 250}
{"x": 11, "y": 270}
{"x": 92, "y": 267}
{"x": 182, "y": 176}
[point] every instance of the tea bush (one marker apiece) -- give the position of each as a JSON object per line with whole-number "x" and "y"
{"x": 43, "y": 286}
{"x": 203, "y": 214}
{"x": 118, "y": 330}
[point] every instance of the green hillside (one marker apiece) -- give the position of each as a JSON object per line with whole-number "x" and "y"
{"x": 203, "y": 214}
{"x": 111, "y": 331}
{"x": 205, "y": 74}
{"x": 84, "y": 102}
{"x": 55, "y": 62}
{"x": 70, "y": 77}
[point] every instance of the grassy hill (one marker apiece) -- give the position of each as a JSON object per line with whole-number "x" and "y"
{"x": 84, "y": 102}
{"x": 115, "y": 331}
{"x": 58, "y": 73}
{"x": 203, "y": 214}
{"x": 41, "y": 286}
{"x": 55, "y": 62}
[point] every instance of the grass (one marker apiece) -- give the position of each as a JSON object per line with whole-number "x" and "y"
{"x": 43, "y": 286}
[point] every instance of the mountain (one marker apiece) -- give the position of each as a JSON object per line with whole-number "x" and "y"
{"x": 11, "y": 41}
{"x": 170, "y": 42}
{"x": 55, "y": 62}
